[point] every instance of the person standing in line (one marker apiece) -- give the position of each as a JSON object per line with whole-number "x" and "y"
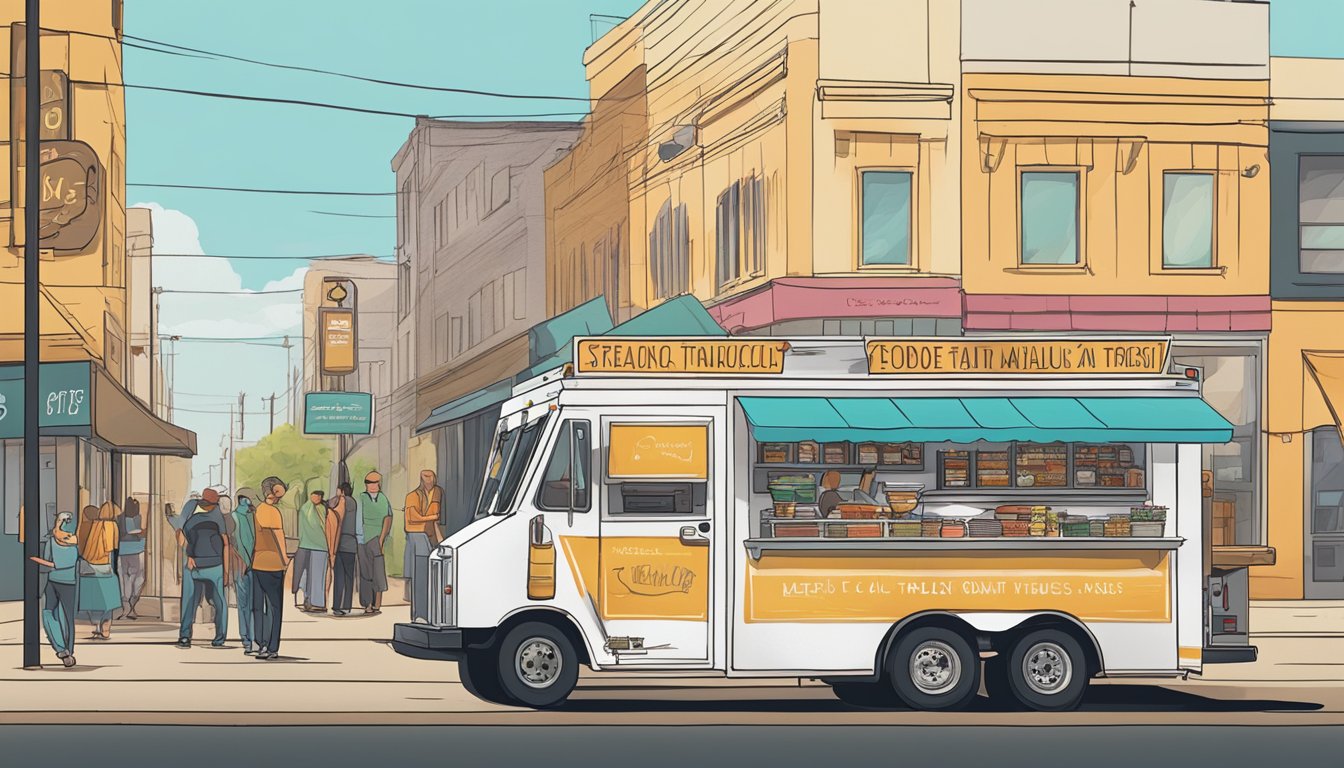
{"x": 242, "y": 536}
{"x": 205, "y": 542}
{"x": 269, "y": 563}
{"x": 99, "y": 591}
{"x": 131, "y": 556}
{"x": 375, "y": 514}
{"x": 313, "y": 550}
{"x": 344, "y": 514}
{"x": 60, "y": 554}
{"x": 422, "y": 531}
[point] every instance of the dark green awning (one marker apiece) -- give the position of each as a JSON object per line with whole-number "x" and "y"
{"x": 467, "y": 405}
{"x": 1150, "y": 419}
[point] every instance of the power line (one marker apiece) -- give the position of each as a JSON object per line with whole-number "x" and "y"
{"x": 263, "y": 190}
{"x": 355, "y": 215}
{"x": 235, "y": 293}
{"x": 346, "y": 75}
{"x": 316, "y": 104}
{"x": 333, "y": 256}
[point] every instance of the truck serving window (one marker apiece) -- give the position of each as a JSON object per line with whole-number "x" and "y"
{"x": 513, "y": 448}
{"x": 564, "y": 488}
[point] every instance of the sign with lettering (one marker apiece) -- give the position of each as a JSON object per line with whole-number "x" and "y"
{"x": 72, "y": 198}
{"x": 64, "y": 399}
{"x": 337, "y": 326}
{"x": 1009, "y": 357}
{"x": 338, "y": 413}
{"x": 641, "y": 577}
{"x": 1102, "y": 586}
{"x": 658, "y": 451}
{"x": 679, "y": 356}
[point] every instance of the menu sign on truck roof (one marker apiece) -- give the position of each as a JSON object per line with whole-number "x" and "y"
{"x": 1009, "y": 357}
{"x": 679, "y": 356}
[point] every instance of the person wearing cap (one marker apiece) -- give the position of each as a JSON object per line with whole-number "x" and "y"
{"x": 270, "y": 560}
{"x": 375, "y": 513}
{"x": 422, "y": 532}
{"x": 311, "y": 559}
{"x": 205, "y": 542}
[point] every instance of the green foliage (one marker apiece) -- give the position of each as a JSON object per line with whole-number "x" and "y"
{"x": 302, "y": 462}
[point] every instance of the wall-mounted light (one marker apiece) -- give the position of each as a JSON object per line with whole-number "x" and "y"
{"x": 682, "y": 140}
{"x": 1251, "y": 171}
{"x": 338, "y": 293}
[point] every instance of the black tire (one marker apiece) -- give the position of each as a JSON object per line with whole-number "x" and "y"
{"x": 479, "y": 673}
{"x": 537, "y": 665}
{"x": 879, "y": 695}
{"x": 997, "y": 686}
{"x": 1047, "y": 671}
{"x": 925, "y": 651}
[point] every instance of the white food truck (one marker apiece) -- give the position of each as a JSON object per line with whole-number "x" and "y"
{"x": 895, "y": 517}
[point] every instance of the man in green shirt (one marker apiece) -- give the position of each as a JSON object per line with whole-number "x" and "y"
{"x": 311, "y": 560}
{"x": 375, "y": 513}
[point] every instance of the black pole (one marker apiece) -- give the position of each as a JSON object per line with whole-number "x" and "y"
{"x": 32, "y": 336}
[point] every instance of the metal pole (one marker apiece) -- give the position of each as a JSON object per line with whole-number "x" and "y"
{"x": 32, "y": 335}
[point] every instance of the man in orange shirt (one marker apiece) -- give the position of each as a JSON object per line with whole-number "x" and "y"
{"x": 422, "y": 531}
{"x": 269, "y": 563}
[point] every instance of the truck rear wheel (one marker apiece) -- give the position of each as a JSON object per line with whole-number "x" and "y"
{"x": 537, "y": 665}
{"x": 933, "y": 668}
{"x": 1047, "y": 671}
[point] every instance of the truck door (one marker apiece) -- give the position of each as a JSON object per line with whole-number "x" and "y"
{"x": 661, "y": 500}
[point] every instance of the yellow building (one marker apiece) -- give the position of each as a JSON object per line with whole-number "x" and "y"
{"x": 89, "y": 300}
{"x": 1305, "y": 385}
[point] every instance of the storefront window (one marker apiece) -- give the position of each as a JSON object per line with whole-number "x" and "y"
{"x": 1049, "y": 218}
{"x": 1231, "y": 386}
{"x": 1187, "y": 220}
{"x": 885, "y": 228}
{"x": 1325, "y": 533}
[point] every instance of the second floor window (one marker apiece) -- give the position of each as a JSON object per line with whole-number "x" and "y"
{"x": 670, "y": 252}
{"x": 1321, "y": 213}
{"x": 1049, "y": 225}
{"x": 884, "y": 228}
{"x": 739, "y": 246}
{"x": 1187, "y": 220}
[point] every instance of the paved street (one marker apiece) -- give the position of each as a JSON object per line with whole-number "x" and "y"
{"x": 342, "y": 671}
{"x": 654, "y": 747}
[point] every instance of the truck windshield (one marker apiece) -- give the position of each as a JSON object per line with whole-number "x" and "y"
{"x": 504, "y": 470}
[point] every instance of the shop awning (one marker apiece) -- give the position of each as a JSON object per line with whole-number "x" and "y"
{"x": 127, "y": 426}
{"x": 682, "y": 316}
{"x": 1327, "y": 368}
{"x": 1000, "y": 419}
{"x": 468, "y": 404}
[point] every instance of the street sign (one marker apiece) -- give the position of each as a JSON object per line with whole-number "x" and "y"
{"x": 337, "y": 340}
{"x": 63, "y": 397}
{"x": 338, "y": 413}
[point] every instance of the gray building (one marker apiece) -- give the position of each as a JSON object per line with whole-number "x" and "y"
{"x": 471, "y": 266}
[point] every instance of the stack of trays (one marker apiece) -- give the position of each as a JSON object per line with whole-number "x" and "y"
{"x": 1148, "y": 514}
{"x": 836, "y": 530}
{"x": 1015, "y": 527}
{"x": 864, "y": 531}
{"x": 1118, "y": 526}
{"x": 1150, "y": 528}
{"x": 800, "y": 488}
{"x": 1076, "y": 528}
{"x": 985, "y": 527}
{"x": 1098, "y": 527}
{"x": 953, "y": 529}
{"x": 905, "y": 528}
{"x": 930, "y": 527}
{"x": 783, "y": 530}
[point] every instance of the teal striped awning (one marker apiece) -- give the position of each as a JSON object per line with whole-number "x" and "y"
{"x": 1155, "y": 419}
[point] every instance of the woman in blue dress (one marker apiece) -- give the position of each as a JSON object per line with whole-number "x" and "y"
{"x": 99, "y": 589}
{"x": 59, "y": 557}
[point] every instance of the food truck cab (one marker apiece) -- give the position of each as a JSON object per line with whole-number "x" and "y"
{"x": 895, "y": 517}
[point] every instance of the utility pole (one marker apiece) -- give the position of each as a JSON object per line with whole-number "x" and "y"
{"x": 226, "y": 451}
{"x": 272, "y": 411}
{"x": 32, "y": 333}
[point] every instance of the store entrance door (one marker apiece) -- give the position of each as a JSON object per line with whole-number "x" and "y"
{"x": 1324, "y": 523}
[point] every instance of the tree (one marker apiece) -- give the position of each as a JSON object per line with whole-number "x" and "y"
{"x": 302, "y": 462}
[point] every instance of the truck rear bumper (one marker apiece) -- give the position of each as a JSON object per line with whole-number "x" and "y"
{"x": 421, "y": 641}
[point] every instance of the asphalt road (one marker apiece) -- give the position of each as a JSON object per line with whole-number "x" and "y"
{"x": 673, "y": 746}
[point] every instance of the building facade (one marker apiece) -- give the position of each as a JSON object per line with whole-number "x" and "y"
{"x": 90, "y": 300}
{"x": 1306, "y": 355}
{"x": 471, "y": 265}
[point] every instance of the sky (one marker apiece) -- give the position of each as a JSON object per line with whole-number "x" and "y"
{"x": 516, "y": 46}
{"x": 511, "y": 46}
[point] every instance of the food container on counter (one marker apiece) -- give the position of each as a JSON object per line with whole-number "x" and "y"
{"x": 809, "y": 452}
{"x": 785, "y": 509}
{"x": 867, "y": 453}
{"x": 806, "y": 511}
{"x": 984, "y": 527}
{"x": 1076, "y": 529}
{"x": 1147, "y": 528}
{"x": 1098, "y": 527}
{"x": 864, "y": 531}
{"x": 835, "y": 453}
{"x": 1148, "y": 514}
{"x": 836, "y": 530}
{"x": 1119, "y": 525}
{"x": 931, "y": 527}
{"x": 776, "y": 453}
{"x": 856, "y": 511}
{"x": 1037, "y": 525}
{"x": 902, "y": 500}
{"x": 1016, "y": 527}
{"x": 905, "y": 529}
{"x": 953, "y": 529}
{"x": 793, "y": 530}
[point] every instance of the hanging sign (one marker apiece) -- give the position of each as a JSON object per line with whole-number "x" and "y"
{"x": 1018, "y": 356}
{"x": 337, "y": 326}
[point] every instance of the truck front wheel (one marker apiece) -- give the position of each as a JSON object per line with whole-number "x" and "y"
{"x": 933, "y": 668}
{"x": 479, "y": 673}
{"x": 537, "y": 665}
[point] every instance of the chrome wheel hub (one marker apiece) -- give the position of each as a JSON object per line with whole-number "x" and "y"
{"x": 538, "y": 662}
{"x": 1047, "y": 668}
{"x": 934, "y": 667}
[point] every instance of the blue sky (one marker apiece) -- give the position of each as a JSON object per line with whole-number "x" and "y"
{"x": 518, "y": 46}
